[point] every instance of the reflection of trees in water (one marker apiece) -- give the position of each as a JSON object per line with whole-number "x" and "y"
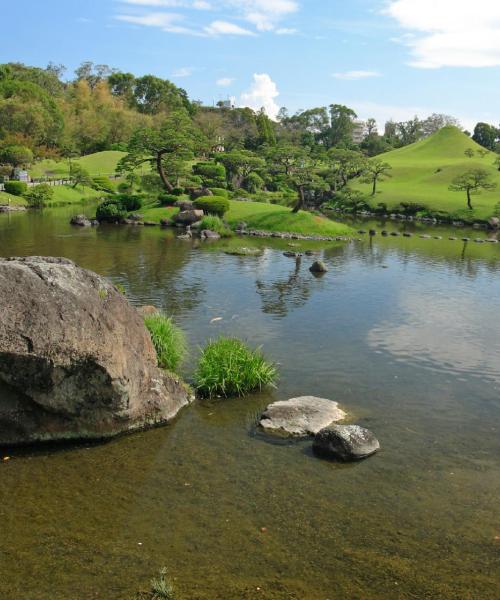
{"x": 285, "y": 294}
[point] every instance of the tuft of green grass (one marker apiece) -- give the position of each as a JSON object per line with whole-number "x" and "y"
{"x": 228, "y": 367}
{"x": 168, "y": 339}
{"x": 244, "y": 251}
{"x": 216, "y": 224}
{"x": 161, "y": 588}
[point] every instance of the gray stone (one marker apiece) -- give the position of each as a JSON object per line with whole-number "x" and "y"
{"x": 75, "y": 357}
{"x": 188, "y": 217}
{"x": 207, "y": 234}
{"x": 80, "y": 221}
{"x": 4, "y": 208}
{"x": 301, "y": 416}
{"x": 346, "y": 442}
{"x": 184, "y": 205}
{"x": 318, "y": 266}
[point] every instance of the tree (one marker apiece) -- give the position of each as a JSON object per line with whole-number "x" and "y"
{"x": 376, "y": 171}
{"x": 469, "y": 153}
{"x": 437, "y": 121}
{"x": 177, "y": 139}
{"x": 486, "y": 135}
{"x": 409, "y": 132}
{"x": 304, "y": 178}
{"x": 371, "y": 126}
{"x": 283, "y": 157}
{"x": 344, "y": 165}
{"x": 483, "y": 152}
{"x": 496, "y": 163}
{"x": 38, "y": 195}
{"x": 80, "y": 176}
{"x": 16, "y": 155}
{"x": 341, "y": 125}
{"x": 239, "y": 164}
{"x": 472, "y": 182}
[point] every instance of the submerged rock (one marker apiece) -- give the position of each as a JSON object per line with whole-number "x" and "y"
{"x": 318, "y": 266}
{"x": 208, "y": 234}
{"x": 346, "y": 442}
{"x": 301, "y": 416}
{"x": 75, "y": 357}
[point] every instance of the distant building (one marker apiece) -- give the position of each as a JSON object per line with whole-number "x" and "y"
{"x": 21, "y": 175}
{"x": 230, "y": 103}
{"x": 358, "y": 131}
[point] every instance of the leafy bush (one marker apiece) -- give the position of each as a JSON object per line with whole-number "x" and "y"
{"x": 410, "y": 208}
{"x": 16, "y": 188}
{"x": 39, "y": 195}
{"x": 124, "y": 187}
{"x": 167, "y": 199}
{"x": 211, "y": 173}
{"x": 110, "y": 211}
{"x": 228, "y": 367}
{"x": 129, "y": 202}
{"x": 178, "y": 191}
{"x": 219, "y": 192}
{"x": 216, "y": 224}
{"x": 169, "y": 341}
{"x": 254, "y": 183}
{"x": 212, "y": 205}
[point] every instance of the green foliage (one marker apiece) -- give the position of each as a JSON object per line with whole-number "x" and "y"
{"x": 104, "y": 184}
{"x": 212, "y": 174}
{"x": 253, "y": 183}
{"x": 110, "y": 211}
{"x": 228, "y": 367}
{"x": 16, "y": 188}
{"x": 178, "y": 191}
{"x": 167, "y": 199}
{"x": 212, "y": 205}
{"x": 216, "y": 224}
{"x": 161, "y": 588}
{"x": 411, "y": 208}
{"x": 128, "y": 202}
{"x": 39, "y": 196}
{"x": 16, "y": 155}
{"x": 80, "y": 176}
{"x": 472, "y": 182}
{"x": 169, "y": 341}
{"x": 219, "y": 192}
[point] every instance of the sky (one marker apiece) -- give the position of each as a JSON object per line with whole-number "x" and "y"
{"x": 384, "y": 58}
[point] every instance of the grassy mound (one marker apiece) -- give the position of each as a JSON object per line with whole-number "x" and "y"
{"x": 99, "y": 163}
{"x": 422, "y": 173}
{"x": 228, "y": 367}
{"x": 169, "y": 341}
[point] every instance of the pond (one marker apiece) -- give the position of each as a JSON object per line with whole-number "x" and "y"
{"x": 403, "y": 332}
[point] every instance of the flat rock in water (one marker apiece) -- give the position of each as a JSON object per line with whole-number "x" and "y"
{"x": 346, "y": 442}
{"x": 300, "y": 416}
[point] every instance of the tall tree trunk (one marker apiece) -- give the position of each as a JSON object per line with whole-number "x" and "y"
{"x": 374, "y": 189}
{"x": 161, "y": 171}
{"x": 469, "y": 203}
{"x": 300, "y": 200}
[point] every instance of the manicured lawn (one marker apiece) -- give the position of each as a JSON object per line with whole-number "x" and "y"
{"x": 268, "y": 217}
{"x": 422, "y": 173}
{"x": 66, "y": 194}
{"x": 12, "y": 200}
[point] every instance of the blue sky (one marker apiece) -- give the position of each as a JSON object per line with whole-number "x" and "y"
{"x": 385, "y": 58}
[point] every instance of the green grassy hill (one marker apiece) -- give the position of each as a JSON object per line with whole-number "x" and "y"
{"x": 99, "y": 163}
{"x": 422, "y": 172}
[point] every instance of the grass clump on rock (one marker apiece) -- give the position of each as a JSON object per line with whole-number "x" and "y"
{"x": 228, "y": 367}
{"x": 216, "y": 224}
{"x": 168, "y": 339}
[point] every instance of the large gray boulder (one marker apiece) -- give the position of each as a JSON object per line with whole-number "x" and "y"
{"x": 188, "y": 217}
{"x": 300, "y": 416}
{"x": 76, "y": 361}
{"x": 346, "y": 442}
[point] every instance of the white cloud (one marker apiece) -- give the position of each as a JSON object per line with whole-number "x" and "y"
{"x": 226, "y": 28}
{"x": 262, "y": 94}
{"x": 183, "y": 72}
{"x": 224, "y": 81}
{"x": 264, "y": 14}
{"x": 197, "y": 4}
{"x": 286, "y": 31}
{"x": 450, "y": 33}
{"x": 166, "y": 21}
{"x": 353, "y": 75}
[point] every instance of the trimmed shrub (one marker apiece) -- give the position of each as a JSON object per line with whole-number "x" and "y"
{"x": 167, "y": 199}
{"x": 110, "y": 211}
{"x": 214, "y": 223}
{"x": 219, "y": 192}
{"x": 228, "y": 367}
{"x": 254, "y": 183}
{"x": 178, "y": 191}
{"x": 212, "y": 205}
{"x": 211, "y": 173}
{"x": 16, "y": 188}
{"x": 39, "y": 195}
{"x": 168, "y": 339}
{"x": 128, "y": 202}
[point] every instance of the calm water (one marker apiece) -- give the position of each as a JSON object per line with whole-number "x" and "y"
{"x": 404, "y": 333}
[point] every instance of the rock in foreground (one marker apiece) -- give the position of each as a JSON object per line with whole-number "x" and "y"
{"x": 300, "y": 416}
{"x": 76, "y": 361}
{"x": 346, "y": 442}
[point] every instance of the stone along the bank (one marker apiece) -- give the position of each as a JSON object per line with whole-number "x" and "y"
{"x": 76, "y": 361}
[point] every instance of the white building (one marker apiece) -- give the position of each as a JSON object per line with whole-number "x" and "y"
{"x": 358, "y": 131}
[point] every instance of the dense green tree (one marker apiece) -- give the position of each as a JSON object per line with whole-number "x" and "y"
{"x": 341, "y": 125}
{"x": 486, "y": 135}
{"x": 343, "y": 165}
{"x": 239, "y": 164}
{"x": 375, "y": 171}
{"x": 80, "y": 176}
{"x": 15, "y": 155}
{"x": 472, "y": 182}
